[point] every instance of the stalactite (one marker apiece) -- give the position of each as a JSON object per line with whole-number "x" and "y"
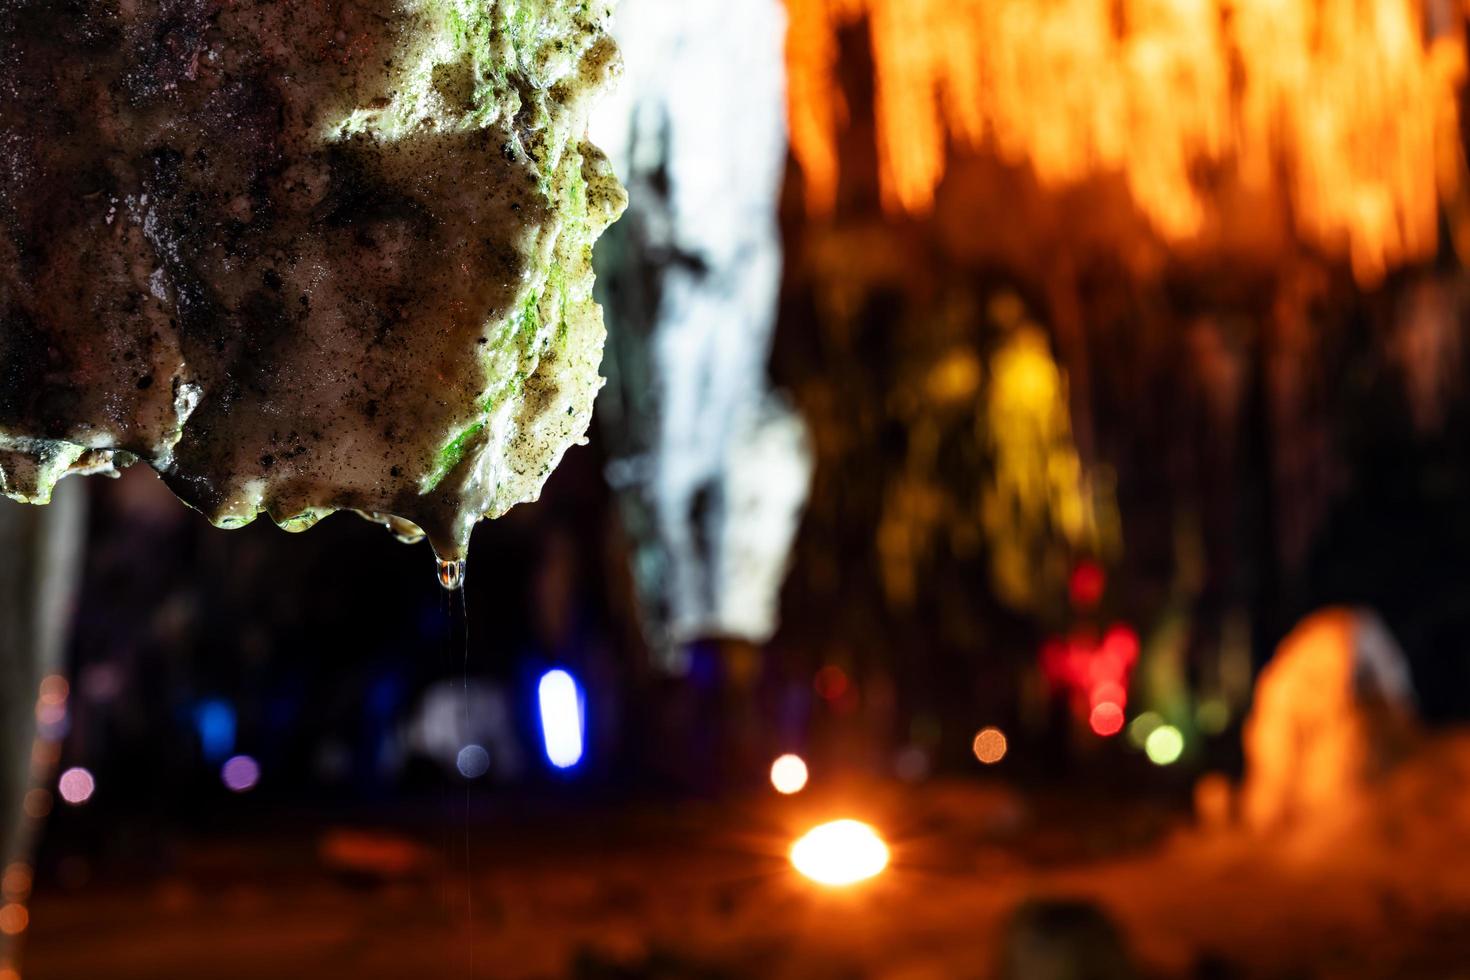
{"x": 711, "y": 466}
{"x": 1343, "y": 109}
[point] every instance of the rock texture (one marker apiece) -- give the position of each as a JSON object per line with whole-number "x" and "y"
{"x": 302, "y": 256}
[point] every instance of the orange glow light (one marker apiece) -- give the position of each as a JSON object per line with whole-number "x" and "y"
{"x": 16, "y": 884}
{"x": 843, "y": 852}
{"x": 990, "y": 745}
{"x": 14, "y": 918}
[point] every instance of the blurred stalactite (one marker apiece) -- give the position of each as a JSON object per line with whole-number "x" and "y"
{"x": 1017, "y": 492}
{"x": 1042, "y": 509}
{"x": 1212, "y": 114}
{"x": 1303, "y": 466}
{"x": 39, "y": 574}
{"x": 1426, "y": 345}
{"x": 710, "y": 465}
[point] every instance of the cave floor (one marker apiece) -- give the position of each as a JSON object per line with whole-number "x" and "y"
{"x": 704, "y": 890}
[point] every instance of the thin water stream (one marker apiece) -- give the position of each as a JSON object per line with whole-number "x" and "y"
{"x": 451, "y": 576}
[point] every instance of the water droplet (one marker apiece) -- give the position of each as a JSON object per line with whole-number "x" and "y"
{"x": 451, "y": 573}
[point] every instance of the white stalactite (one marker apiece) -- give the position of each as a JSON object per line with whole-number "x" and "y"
{"x": 712, "y": 466}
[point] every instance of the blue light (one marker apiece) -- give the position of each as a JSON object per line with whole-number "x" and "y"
{"x": 215, "y": 721}
{"x": 561, "y": 718}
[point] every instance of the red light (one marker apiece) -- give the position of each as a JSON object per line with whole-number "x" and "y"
{"x": 1094, "y": 672}
{"x": 1108, "y": 692}
{"x": 1087, "y": 584}
{"x": 1106, "y": 719}
{"x": 1122, "y": 642}
{"x": 830, "y": 683}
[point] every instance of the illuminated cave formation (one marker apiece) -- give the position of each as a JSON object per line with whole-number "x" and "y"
{"x": 1346, "y": 112}
{"x": 710, "y": 464}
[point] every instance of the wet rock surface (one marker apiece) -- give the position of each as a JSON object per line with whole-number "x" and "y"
{"x": 302, "y": 257}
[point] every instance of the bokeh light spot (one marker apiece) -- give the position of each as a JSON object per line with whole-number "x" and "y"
{"x": 16, "y": 885}
{"x": 789, "y": 774}
{"x": 1213, "y": 716}
{"x": 1140, "y": 728}
{"x": 240, "y": 773}
{"x": 830, "y": 683}
{"x": 473, "y": 761}
{"x": 38, "y": 803}
{"x": 990, "y": 745}
{"x": 76, "y": 786}
{"x": 215, "y": 722}
{"x": 1087, "y": 584}
{"x": 1165, "y": 745}
{"x": 1121, "y": 641}
{"x": 1108, "y": 691}
{"x": 839, "y": 853}
{"x": 45, "y": 753}
{"x": 561, "y": 718}
{"x": 49, "y": 714}
{"x": 911, "y": 764}
{"x": 14, "y": 918}
{"x": 1106, "y": 719}
{"x": 54, "y": 689}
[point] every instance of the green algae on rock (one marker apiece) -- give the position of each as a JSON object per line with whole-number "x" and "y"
{"x": 302, "y": 256}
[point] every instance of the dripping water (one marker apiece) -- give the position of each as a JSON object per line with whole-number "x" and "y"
{"x": 451, "y": 575}
{"x": 464, "y": 621}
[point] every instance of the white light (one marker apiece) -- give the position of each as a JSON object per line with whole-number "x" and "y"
{"x": 76, "y": 786}
{"x": 842, "y": 852}
{"x": 788, "y": 774}
{"x": 561, "y": 718}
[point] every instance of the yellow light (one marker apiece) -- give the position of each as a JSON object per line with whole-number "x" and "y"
{"x": 990, "y": 745}
{"x": 1164, "y": 745}
{"x": 788, "y": 774}
{"x": 839, "y": 853}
